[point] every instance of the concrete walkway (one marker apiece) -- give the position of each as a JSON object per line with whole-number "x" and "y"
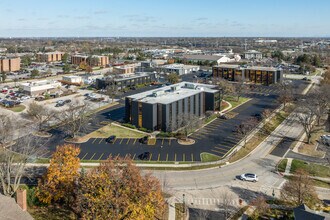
{"x": 171, "y": 208}
{"x": 288, "y": 166}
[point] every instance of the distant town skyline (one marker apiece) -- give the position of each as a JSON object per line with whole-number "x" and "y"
{"x": 170, "y": 18}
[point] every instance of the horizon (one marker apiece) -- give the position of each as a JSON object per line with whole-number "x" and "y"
{"x": 147, "y": 18}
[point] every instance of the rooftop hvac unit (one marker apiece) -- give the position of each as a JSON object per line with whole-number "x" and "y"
{"x": 158, "y": 93}
{"x": 190, "y": 86}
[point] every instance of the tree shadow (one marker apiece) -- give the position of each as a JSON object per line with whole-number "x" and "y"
{"x": 248, "y": 195}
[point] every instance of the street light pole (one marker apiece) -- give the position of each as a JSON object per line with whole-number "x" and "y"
{"x": 184, "y": 204}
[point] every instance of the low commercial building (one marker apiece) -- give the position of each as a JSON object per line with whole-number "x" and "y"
{"x": 126, "y": 80}
{"x": 10, "y": 64}
{"x": 161, "y": 109}
{"x": 50, "y": 56}
{"x": 179, "y": 69}
{"x": 125, "y": 69}
{"x": 40, "y": 87}
{"x": 78, "y": 58}
{"x": 253, "y": 54}
{"x": 210, "y": 58}
{"x": 255, "y": 74}
{"x": 72, "y": 79}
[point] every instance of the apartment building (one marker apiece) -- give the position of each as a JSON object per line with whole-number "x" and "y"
{"x": 160, "y": 109}
{"x": 255, "y": 74}
{"x": 102, "y": 61}
{"x": 126, "y": 80}
{"x": 50, "y": 56}
{"x": 10, "y": 64}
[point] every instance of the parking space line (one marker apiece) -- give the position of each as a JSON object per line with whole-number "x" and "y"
{"x": 128, "y": 140}
{"x": 84, "y": 156}
{"x": 219, "y": 152}
{"x": 150, "y": 156}
{"x": 92, "y": 156}
{"x": 117, "y": 156}
{"x": 163, "y": 141}
{"x": 121, "y": 140}
{"x": 110, "y": 155}
{"x": 101, "y": 156}
{"x": 133, "y": 157}
{"x": 94, "y": 140}
{"x": 192, "y": 158}
{"x": 169, "y": 141}
{"x": 158, "y": 157}
{"x": 183, "y": 157}
{"x": 134, "y": 141}
{"x": 114, "y": 141}
{"x": 166, "y": 157}
{"x": 101, "y": 140}
{"x": 175, "y": 157}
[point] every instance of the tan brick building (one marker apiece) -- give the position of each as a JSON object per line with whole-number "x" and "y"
{"x": 10, "y": 64}
{"x": 50, "y": 56}
{"x": 125, "y": 69}
{"x": 77, "y": 59}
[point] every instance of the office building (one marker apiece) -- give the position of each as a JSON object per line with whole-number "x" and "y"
{"x": 103, "y": 61}
{"x": 253, "y": 54}
{"x": 50, "y": 56}
{"x": 124, "y": 69}
{"x": 40, "y": 87}
{"x": 160, "y": 109}
{"x": 10, "y": 64}
{"x": 72, "y": 79}
{"x": 179, "y": 69}
{"x": 126, "y": 80}
{"x": 255, "y": 74}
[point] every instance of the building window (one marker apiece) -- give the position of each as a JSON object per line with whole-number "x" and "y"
{"x": 140, "y": 114}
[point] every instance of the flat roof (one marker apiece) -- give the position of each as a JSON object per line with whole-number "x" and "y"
{"x": 172, "y": 93}
{"x": 262, "y": 68}
{"x": 179, "y": 66}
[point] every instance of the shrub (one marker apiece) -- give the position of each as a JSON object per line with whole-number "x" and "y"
{"x": 165, "y": 134}
{"x": 129, "y": 125}
{"x": 144, "y": 130}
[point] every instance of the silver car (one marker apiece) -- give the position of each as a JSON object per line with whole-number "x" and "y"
{"x": 249, "y": 177}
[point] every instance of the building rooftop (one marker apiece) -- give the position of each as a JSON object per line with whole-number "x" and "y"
{"x": 253, "y": 51}
{"x": 40, "y": 83}
{"x": 202, "y": 57}
{"x": 262, "y": 68}
{"x": 54, "y": 52}
{"x": 168, "y": 94}
{"x": 178, "y": 66}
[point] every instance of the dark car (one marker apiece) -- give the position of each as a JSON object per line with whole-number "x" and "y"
{"x": 144, "y": 156}
{"x": 67, "y": 101}
{"x": 258, "y": 116}
{"x": 144, "y": 140}
{"x": 110, "y": 139}
{"x": 223, "y": 116}
{"x": 59, "y": 104}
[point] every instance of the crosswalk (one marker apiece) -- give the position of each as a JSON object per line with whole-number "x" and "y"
{"x": 209, "y": 202}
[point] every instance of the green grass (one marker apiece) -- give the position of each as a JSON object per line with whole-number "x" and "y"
{"x": 207, "y": 157}
{"x": 233, "y": 100}
{"x": 17, "y": 108}
{"x": 212, "y": 117}
{"x": 312, "y": 168}
{"x": 320, "y": 183}
{"x": 282, "y": 165}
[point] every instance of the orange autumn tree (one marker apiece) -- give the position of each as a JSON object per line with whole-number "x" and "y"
{"x": 117, "y": 190}
{"x": 58, "y": 182}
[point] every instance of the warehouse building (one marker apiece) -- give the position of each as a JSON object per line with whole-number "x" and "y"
{"x": 126, "y": 80}
{"x": 160, "y": 109}
{"x": 255, "y": 74}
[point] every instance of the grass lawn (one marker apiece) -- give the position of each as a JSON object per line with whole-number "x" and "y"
{"x": 260, "y": 136}
{"x": 212, "y": 117}
{"x": 207, "y": 157}
{"x": 233, "y": 100}
{"x": 282, "y": 165}
{"x": 51, "y": 212}
{"x": 119, "y": 132}
{"x": 310, "y": 149}
{"x": 17, "y": 108}
{"x": 312, "y": 168}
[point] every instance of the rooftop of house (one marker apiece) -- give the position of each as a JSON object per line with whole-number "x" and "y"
{"x": 169, "y": 94}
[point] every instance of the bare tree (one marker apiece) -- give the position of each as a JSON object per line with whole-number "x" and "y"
{"x": 285, "y": 98}
{"x": 320, "y": 100}
{"x": 261, "y": 207}
{"x": 15, "y": 153}
{"x": 112, "y": 89}
{"x": 185, "y": 123}
{"x": 299, "y": 189}
{"x": 245, "y": 127}
{"x": 240, "y": 88}
{"x": 41, "y": 114}
{"x": 306, "y": 117}
{"x": 75, "y": 118}
{"x": 227, "y": 199}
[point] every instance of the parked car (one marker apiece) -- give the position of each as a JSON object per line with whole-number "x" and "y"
{"x": 144, "y": 156}
{"x": 39, "y": 98}
{"x": 325, "y": 139}
{"x": 305, "y": 78}
{"x": 67, "y": 101}
{"x": 249, "y": 177}
{"x": 59, "y": 104}
{"x": 144, "y": 140}
{"x": 110, "y": 139}
{"x": 223, "y": 116}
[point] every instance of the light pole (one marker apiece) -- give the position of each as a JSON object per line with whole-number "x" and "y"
{"x": 184, "y": 204}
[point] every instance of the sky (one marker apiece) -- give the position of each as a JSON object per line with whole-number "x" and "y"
{"x": 164, "y": 18}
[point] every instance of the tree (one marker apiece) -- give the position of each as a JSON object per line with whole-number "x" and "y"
{"x": 89, "y": 69}
{"x": 245, "y": 127}
{"x": 34, "y": 73}
{"x": 93, "y": 61}
{"x": 41, "y": 114}
{"x": 3, "y": 76}
{"x": 299, "y": 189}
{"x": 26, "y": 61}
{"x": 225, "y": 87}
{"x": 184, "y": 123}
{"x": 83, "y": 65}
{"x": 261, "y": 207}
{"x": 66, "y": 68}
{"x": 59, "y": 181}
{"x": 65, "y": 58}
{"x": 75, "y": 118}
{"x": 118, "y": 185}
{"x": 173, "y": 78}
{"x": 240, "y": 88}
{"x": 278, "y": 54}
{"x": 285, "y": 98}
{"x": 306, "y": 116}
{"x": 15, "y": 153}
{"x": 227, "y": 198}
